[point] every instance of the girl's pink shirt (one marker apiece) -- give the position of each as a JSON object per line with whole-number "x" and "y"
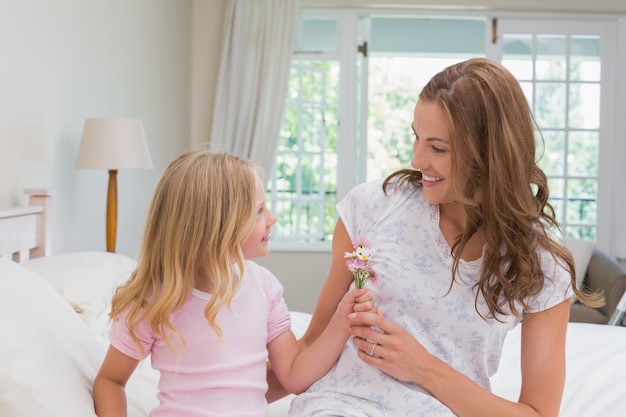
{"x": 208, "y": 376}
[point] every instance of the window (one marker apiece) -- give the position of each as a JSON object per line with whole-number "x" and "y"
{"x": 348, "y": 111}
{"x": 561, "y": 66}
{"x": 564, "y": 92}
{"x": 303, "y": 189}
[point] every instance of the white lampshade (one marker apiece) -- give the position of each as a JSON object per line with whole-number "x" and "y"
{"x": 113, "y": 143}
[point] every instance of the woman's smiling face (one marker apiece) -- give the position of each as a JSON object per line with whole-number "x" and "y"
{"x": 431, "y": 152}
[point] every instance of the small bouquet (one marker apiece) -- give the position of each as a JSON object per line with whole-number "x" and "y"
{"x": 358, "y": 263}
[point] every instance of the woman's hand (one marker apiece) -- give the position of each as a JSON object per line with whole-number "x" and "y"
{"x": 385, "y": 345}
{"x": 388, "y": 347}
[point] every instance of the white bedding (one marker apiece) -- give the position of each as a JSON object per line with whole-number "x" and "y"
{"x": 596, "y": 370}
{"x": 49, "y": 354}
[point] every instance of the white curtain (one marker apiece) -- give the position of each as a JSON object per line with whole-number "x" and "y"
{"x": 253, "y": 77}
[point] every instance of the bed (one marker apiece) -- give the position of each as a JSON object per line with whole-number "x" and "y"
{"x": 53, "y": 322}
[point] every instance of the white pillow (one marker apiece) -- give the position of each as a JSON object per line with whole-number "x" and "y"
{"x": 48, "y": 358}
{"x": 86, "y": 280}
{"x": 581, "y": 251}
{"x": 299, "y": 322}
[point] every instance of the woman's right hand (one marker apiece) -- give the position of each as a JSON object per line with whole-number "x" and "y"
{"x": 389, "y": 347}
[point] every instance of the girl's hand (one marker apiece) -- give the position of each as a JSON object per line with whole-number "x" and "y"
{"x": 355, "y": 301}
{"x": 365, "y": 302}
{"x": 385, "y": 345}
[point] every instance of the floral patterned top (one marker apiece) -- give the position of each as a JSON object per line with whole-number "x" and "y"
{"x": 414, "y": 264}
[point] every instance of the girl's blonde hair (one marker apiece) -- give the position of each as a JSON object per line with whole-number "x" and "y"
{"x": 202, "y": 209}
{"x": 492, "y": 134}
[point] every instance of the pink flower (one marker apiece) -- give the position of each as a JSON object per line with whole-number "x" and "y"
{"x": 358, "y": 262}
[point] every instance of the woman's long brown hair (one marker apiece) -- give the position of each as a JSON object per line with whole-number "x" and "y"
{"x": 492, "y": 129}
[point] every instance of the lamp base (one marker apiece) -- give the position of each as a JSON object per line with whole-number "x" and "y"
{"x": 111, "y": 220}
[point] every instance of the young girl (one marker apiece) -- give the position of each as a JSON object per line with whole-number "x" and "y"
{"x": 207, "y": 315}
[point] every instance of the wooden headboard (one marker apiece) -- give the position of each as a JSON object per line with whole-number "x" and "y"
{"x": 25, "y": 231}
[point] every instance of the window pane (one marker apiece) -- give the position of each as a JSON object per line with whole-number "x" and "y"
{"x": 582, "y": 232}
{"x": 286, "y": 225}
{"x": 585, "y": 58}
{"x": 308, "y": 184}
{"x": 581, "y": 201}
{"x": 517, "y": 52}
{"x": 315, "y": 35}
{"x": 285, "y": 171}
{"x": 557, "y": 196}
{"x": 312, "y": 131}
{"x": 527, "y": 88}
{"x": 550, "y": 101}
{"x": 551, "y": 61}
{"x": 552, "y": 153}
{"x": 583, "y": 157}
{"x": 309, "y": 221}
{"x": 584, "y": 106}
{"x": 289, "y": 131}
{"x": 428, "y": 36}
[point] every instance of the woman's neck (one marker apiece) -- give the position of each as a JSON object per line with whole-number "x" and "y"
{"x": 452, "y": 220}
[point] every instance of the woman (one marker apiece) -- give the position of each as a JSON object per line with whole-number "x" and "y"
{"x": 464, "y": 250}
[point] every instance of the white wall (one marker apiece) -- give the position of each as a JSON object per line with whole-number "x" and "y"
{"x": 206, "y": 47}
{"x": 301, "y": 273}
{"x": 63, "y": 61}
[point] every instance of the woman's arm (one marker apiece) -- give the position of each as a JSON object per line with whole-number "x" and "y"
{"x": 108, "y": 387}
{"x": 542, "y": 360}
{"x": 336, "y": 285}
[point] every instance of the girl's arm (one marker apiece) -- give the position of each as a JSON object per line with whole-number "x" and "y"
{"x": 542, "y": 365}
{"x": 108, "y": 387}
{"x": 297, "y": 368}
{"x": 336, "y": 285}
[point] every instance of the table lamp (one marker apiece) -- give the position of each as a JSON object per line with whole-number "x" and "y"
{"x": 112, "y": 144}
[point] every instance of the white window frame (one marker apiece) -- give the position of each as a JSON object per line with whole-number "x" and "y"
{"x": 606, "y": 29}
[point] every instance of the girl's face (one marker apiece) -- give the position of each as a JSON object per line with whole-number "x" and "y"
{"x": 431, "y": 152}
{"x": 256, "y": 244}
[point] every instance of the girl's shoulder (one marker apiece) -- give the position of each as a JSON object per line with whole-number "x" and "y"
{"x": 261, "y": 280}
{"x": 253, "y": 267}
{"x": 259, "y": 273}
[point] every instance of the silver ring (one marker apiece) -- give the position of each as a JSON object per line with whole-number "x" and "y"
{"x": 372, "y": 349}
